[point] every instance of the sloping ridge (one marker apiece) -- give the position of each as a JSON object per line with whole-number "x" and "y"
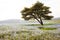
{"x": 13, "y": 21}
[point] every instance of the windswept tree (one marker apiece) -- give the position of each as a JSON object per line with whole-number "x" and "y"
{"x": 38, "y": 11}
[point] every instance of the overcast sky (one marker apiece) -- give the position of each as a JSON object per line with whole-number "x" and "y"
{"x": 10, "y": 9}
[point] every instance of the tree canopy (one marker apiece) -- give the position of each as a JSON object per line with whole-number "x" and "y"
{"x": 38, "y": 11}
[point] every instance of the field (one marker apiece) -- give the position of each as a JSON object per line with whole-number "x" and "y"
{"x": 49, "y": 31}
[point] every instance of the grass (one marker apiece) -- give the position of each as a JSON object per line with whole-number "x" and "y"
{"x": 29, "y": 36}
{"x": 47, "y": 23}
{"x": 39, "y": 24}
{"x": 44, "y": 28}
{"x": 45, "y": 36}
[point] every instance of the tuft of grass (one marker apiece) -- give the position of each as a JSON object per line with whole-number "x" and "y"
{"x": 44, "y": 28}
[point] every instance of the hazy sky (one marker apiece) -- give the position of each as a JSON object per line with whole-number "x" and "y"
{"x": 10, "y": 9}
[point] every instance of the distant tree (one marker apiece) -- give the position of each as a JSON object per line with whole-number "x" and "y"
{"x": 38, "y": 11}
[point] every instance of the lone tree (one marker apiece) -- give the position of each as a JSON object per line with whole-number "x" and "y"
{"x": 38, "y": 11}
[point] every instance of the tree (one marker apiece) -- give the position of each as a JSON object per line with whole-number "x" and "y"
{"x": 38, "y": 11}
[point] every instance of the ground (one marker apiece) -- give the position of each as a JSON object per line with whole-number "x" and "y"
{"x": 50, "y": 31}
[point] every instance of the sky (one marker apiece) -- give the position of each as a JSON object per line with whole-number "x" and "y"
{"x": 10, "y": 9}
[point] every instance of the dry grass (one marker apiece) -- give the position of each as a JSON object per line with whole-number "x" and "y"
{"x": 29, "y": 35}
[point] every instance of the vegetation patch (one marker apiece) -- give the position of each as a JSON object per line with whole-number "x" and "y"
{"x": 44, "y": 28}
{"x": 40, "y": 25}
{"x": 29, "y": 36}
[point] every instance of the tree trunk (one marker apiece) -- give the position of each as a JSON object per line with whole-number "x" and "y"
{"x": 37, "y": 19}
{"x": 41, "y": 21}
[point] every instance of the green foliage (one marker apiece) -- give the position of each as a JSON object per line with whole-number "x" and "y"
{"x": 44, "y": 28}
{"x": 38, "y": 10}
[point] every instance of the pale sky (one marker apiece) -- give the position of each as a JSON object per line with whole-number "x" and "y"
{"x": 10, "y": 9}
